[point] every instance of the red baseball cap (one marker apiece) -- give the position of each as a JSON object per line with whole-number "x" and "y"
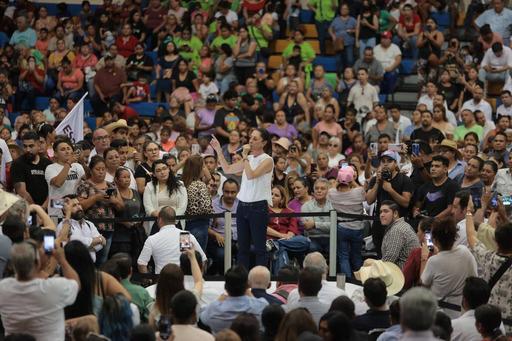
{"x": 386, "y": 34}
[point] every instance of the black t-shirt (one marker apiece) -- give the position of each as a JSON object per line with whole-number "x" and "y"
{"x": 436, "y": 198}
{"x": 144, "y": 171}
{"x": 227, "y": 119}
{"x": 416, "y": 177}
{"x": 33, "y": 176}
{"x": 400, "y": 183}
{"x": 133, "y": 72}
{"x": 433, "y": 134}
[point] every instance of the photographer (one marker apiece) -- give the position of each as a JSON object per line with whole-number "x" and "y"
{"x": 388, "y": 184}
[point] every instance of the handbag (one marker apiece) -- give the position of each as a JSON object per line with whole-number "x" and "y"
{"x": 339, "y": 44}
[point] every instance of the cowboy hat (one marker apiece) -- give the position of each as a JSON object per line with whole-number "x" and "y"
{"x": 388, "y": 272}
{"x": 283, "y": 142}
{"x": 7, "y": 200}
{"x": 116, "y": 125}
{"x": 448, "y": 144}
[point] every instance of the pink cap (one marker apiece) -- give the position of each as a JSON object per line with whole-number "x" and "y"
{"x": 345, "y": 175}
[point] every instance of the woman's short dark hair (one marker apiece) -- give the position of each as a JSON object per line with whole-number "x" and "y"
{"x": 226, "y": 49}
{"x": 95, "y": 160}
{"x": 444, "y": 231}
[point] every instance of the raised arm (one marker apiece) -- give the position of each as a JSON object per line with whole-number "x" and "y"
{"x": 228, "y": 168}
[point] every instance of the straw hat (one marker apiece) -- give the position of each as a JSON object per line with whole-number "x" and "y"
{"x": 389, "y": 272}
{"x": 449, "y": 144}
{"x": 116, "y": 125}
{"x": 7, "y": 200}
{"x": 283, "y": 142}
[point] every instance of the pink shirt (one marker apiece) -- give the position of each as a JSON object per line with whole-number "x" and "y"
{"x": 333, "y": 129}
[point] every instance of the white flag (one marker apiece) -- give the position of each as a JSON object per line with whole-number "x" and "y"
{"x": 73, "y": 124}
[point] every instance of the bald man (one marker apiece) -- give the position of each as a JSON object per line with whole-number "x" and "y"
{"x": 101, "y": 141}
{"x": 259, "y": 281}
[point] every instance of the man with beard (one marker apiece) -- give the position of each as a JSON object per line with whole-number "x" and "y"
{"x": 28, "y": 172}
{"x": 81, "y": 229}
{"x": 427, "y": 132}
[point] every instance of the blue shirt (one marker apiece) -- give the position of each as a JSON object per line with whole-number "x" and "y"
{"x": 340, "y": 27}
{"x": 27, "y": 37}
{"x": 219, "y": 315}
{"x": 217, "y": 224}
{"x": 499, "y": 22}
{"x": 393, "y": 333}
{"x": 457, "y": 170}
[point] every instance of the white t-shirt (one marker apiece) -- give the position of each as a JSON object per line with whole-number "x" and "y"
{"x": 210, "y": 89}
{"x": 490, "y": 59}
{"x": 363, "y": 96}
{"x": 386, "y": 56}
{"x": 483, "y": 106}
{"x": 6, "y": 158}
{"x": 504, "y": 111}
{"x": 69, "y": 187}
{"x": 36, "y": 307}
{"x": 446, "y": 272}
{"x": 259, "y": 188}
{"x": 231, "y": 17}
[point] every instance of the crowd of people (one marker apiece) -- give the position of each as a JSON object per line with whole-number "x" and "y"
{"x": 423, "y": 197}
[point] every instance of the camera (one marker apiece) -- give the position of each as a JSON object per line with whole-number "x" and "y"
{"x": 386, "y": 174}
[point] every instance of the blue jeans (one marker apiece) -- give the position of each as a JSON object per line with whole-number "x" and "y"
{"x": 388, "y": 84}
{"x": 412, "y": 48}
{"x": 319, "y": 245}
{"x": 350, "y": 244}
{"x": 345, "y": 58}
{"x": 322, "y": 28}
{"x": 102, "y": 255}
{"x": 199, "y": 229}
{"x": 296, "y": 244}
{"x": 215, "y": 252}
{"x": 251, "y": 224}
{"x": 364, "y": 43}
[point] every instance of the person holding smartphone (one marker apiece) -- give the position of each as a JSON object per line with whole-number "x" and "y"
{"x": 254, "y": 196}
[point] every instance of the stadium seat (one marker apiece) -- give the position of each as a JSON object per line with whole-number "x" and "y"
{"x": 315, "y": 44}
{"x": 383, "y": 98}
{"x": 332, "y": 79}
{"x": 146, "y": 109}
{"x": 306, "y": 16}
{"x": 494, "y": 88}
{"x": 42, "y": 102}
{"x": 329, "y": 63}
{"x": 492, "y": 102}
{"x": 309, "y": 31}
{"x": 442, "y": 19}
{"x": 12, "y": 117}
{"x": 275, "y": 62}
{"x": 407, "y": 66}
{"x": 280, "y": 45}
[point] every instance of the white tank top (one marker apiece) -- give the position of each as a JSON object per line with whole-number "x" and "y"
{"x": 259, "y": 188}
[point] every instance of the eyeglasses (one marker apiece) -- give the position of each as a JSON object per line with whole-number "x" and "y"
{"x": 101, "y": 138}
{"x": 333, "y": 145}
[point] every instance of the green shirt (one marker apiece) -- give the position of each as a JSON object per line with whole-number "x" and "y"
{"x": 324, "y": 10}
{"x": 384, "y": 21}
{"x": 194, "y": 43}
{"x": 217, "y": 42}
{"x": 257, "y": 34}
{"x": 306, "y": 51}
{"x": 461, "y": 131}
{"x": 140, "y": 297}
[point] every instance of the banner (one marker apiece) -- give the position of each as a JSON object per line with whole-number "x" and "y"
{"x": 73, "y": 124}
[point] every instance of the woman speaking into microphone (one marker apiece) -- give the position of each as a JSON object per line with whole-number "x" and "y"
{"x": 254, "y": 196}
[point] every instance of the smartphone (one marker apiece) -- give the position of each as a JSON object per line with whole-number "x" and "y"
{"x": 196, "y": 149}
{"x": 164, "y": 327}
{"x": 395, "y": 147}
{"x": 343, "y": 164}
{"x": 494, "y": 201}
{"x": 506, "y": 200}
{"x": 374, "y": 148}
{"x": 110, "y": 192}
{"x": 29, "y": 220}
{"x": 48, "y": 244}
{"x": 313, "y": 167}
{"x": 185, "y": 242}
{"x": 428, "y": 238}
{"x": 415, "y": 149}
{"x": 57, "y": 203}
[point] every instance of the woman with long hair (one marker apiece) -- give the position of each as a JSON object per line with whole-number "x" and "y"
{"x": 348, "y": 197}
{"x": 411, "y": 268}
{"x": 301, "y": 192}
{"x": 329, "y": 124}
{"x": 283, "y": 232}
{"x": 165, "y": 68}
{"x": 164, "y": 190}
{"x": 254, "y": 196}
{"x": 199, "y": 200}
{"x": 488, "y": 175}
{"x": 144, "y": 171}
{"x": 244, "y": 53}
{"x": 295, "y": 323}
{"x": 98, "y": 200}
{"x": 95, "y": 285}
{"x": 440, "y": 121}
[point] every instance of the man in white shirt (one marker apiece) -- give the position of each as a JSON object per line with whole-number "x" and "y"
{"x": 475, "y": 293}
{"x": 81, "y": 229}
{"x": 459, "y": 209}
{"x": 225, "y": 11}
{"x": 328, "y": 292}
{"x": 164, "y": 246}
{"x": 101, "y": 141}
{"x": 400, "y": 122}
{"x": 505, "y": 109}
{"x": 496, "y": 63}
{"x": 33, "y": 305}
{"x": 390, "y": 56}
{"x": 428, "y": 98}
{"x": 5, "y": 154}
{"x": 363, "y": 93}
{"x": 504, "y": 180}
{"x": 478, "y": 103}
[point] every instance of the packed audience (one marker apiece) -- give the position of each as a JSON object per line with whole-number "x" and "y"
{"x": 208, "y": 217}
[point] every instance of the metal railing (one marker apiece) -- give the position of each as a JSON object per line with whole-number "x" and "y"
{"x": 228, "y": 231}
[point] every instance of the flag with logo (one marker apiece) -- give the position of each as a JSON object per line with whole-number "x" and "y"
{"x": 73, "y": 124}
